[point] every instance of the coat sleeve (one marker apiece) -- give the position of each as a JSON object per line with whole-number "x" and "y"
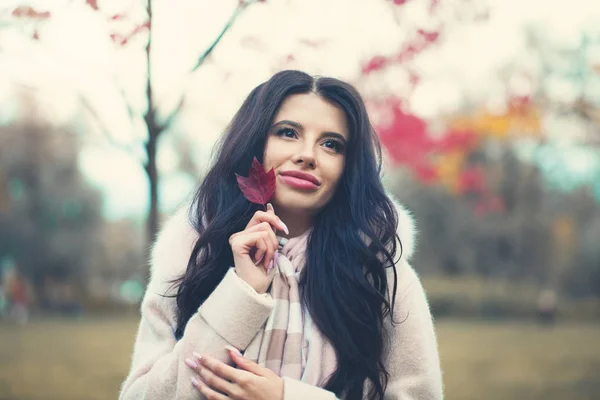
{"x": 232, "y": 315}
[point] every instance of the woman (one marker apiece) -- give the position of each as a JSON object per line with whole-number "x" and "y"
{"x": 309, "y": 291}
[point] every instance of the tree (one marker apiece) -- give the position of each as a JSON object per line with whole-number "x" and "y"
{"x": 573, "y": 67}
{"x": 49, "y": 216}
{"x": 157, "y": 121}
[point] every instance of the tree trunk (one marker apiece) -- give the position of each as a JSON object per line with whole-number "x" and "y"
{"x": 154, "y": 131}
{"x": 153, "y": 180}
{"x": 152, "y": 173}
{"x": 152, "y": 222}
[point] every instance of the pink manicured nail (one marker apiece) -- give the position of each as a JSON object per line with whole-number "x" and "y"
{"x": 231, "y": 348}
{"x": 260, "y": 259}
{"x": 284, "y": 226}
{"x": 198, "y": 356}
{"x": 195, "y": 381}
{"x": 276, "y": 258}
{"x": 271, "y": 266}
{"x": 191, "y": 363}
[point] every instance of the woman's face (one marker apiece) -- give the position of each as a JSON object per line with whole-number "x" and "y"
{"x": 308, "y": 135}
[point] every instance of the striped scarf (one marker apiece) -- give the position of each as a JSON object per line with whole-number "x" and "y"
{"x": 288, "y": 343}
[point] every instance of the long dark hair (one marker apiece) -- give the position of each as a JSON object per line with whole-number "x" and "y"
{"x": 344, "y": 283}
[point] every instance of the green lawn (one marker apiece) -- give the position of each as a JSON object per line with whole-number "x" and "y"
{"x": 88, "y": 359}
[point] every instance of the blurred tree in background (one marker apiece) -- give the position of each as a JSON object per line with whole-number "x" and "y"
{"x": 50, "y": 218}
{"x": 479, "y": 179}
{"x": 125, "y": 29}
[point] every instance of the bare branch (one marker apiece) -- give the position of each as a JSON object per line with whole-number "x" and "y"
{"x": 167, "y": 122}
{"x": 150, "y": 115}
{"x": 238, "y": 11}
{"x": 104, "y": 129}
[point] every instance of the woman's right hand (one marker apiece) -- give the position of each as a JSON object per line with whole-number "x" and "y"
{"x": 258, "y": 235}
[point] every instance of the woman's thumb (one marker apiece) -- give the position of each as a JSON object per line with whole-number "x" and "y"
{"x": 270, "y": 208}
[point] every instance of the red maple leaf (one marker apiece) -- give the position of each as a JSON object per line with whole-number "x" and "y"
{"x": 259, "y": 186}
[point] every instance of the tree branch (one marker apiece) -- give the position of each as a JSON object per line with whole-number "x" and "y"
{"x": 167, "y": 122}
{"x": 238, "y": 11}
{"x": 150, "y": 115}
{"x": 104, "y": 129}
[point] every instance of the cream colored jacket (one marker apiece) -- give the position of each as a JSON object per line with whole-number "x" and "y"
{"x": 234, "y": 313}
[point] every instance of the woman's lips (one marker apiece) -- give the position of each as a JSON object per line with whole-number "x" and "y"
{"x": 298, "y": 183}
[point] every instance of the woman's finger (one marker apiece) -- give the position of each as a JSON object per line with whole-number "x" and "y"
{"x": 266, "y": 244}
{"x": 271, "y": 241}
{"x": 270, "y": 252}
{"x": 263, "y": 226}
{"x": 207, "y": 391}
{"x": 216, "y": 382}
{"x": 267, "y": 216}
{"x": 261, "y": 249}
{"x": 219, "y": 368}
{"x": 246, "y": 364}
{"x": 243, "y": 244}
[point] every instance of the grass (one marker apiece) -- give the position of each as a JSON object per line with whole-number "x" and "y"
{"x": 88, "y": 359}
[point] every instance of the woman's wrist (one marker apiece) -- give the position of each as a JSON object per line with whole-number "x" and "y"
{"x": 249, "y": 287}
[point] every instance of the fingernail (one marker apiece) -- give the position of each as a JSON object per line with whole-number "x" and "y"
{"x": 194, "y": 380}
{"x": 284, "y": 226}
{"x": 269, "y": 206}
{"x": 191, "y": 363}
{"x": 276, "y": 258}
{"x": 259, "y": 260}
{"x": 198, "y": 356}
{"x": 271, "y": 266}
{"x": 231, "y": 348}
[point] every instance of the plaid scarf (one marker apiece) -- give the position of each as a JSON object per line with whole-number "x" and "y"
{"x": 288, "y": 343}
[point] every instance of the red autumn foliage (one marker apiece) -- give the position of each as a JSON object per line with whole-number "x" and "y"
{"x": 455, "y": 140}
{"x": 259, "y": 186}
{"x": 92, "y": 3}
{"x": 375, "y": 64}
{"x": 409, "y": 142}
{"x": 406, "y": 137}
{"x": 423, "y": 40}
{"x": 123, "y": 40}
{"x": 30, "y": 12}
{"x": 429, "y": 37}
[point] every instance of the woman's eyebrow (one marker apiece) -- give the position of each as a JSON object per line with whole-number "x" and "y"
{"x": 299, "y": 126}
{"x": 296, "y": 125}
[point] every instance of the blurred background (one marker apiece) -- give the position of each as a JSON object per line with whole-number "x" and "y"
{"x": 488, "y": 110}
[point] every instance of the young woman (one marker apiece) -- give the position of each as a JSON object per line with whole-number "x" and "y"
{"x": 306, "y": 300}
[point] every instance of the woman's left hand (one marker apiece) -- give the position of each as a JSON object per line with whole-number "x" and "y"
{"x": 220, "y": 381}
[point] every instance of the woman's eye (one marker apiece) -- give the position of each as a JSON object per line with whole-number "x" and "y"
{"x": 337, "y": 146}
{"x": 285, "y": 132}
